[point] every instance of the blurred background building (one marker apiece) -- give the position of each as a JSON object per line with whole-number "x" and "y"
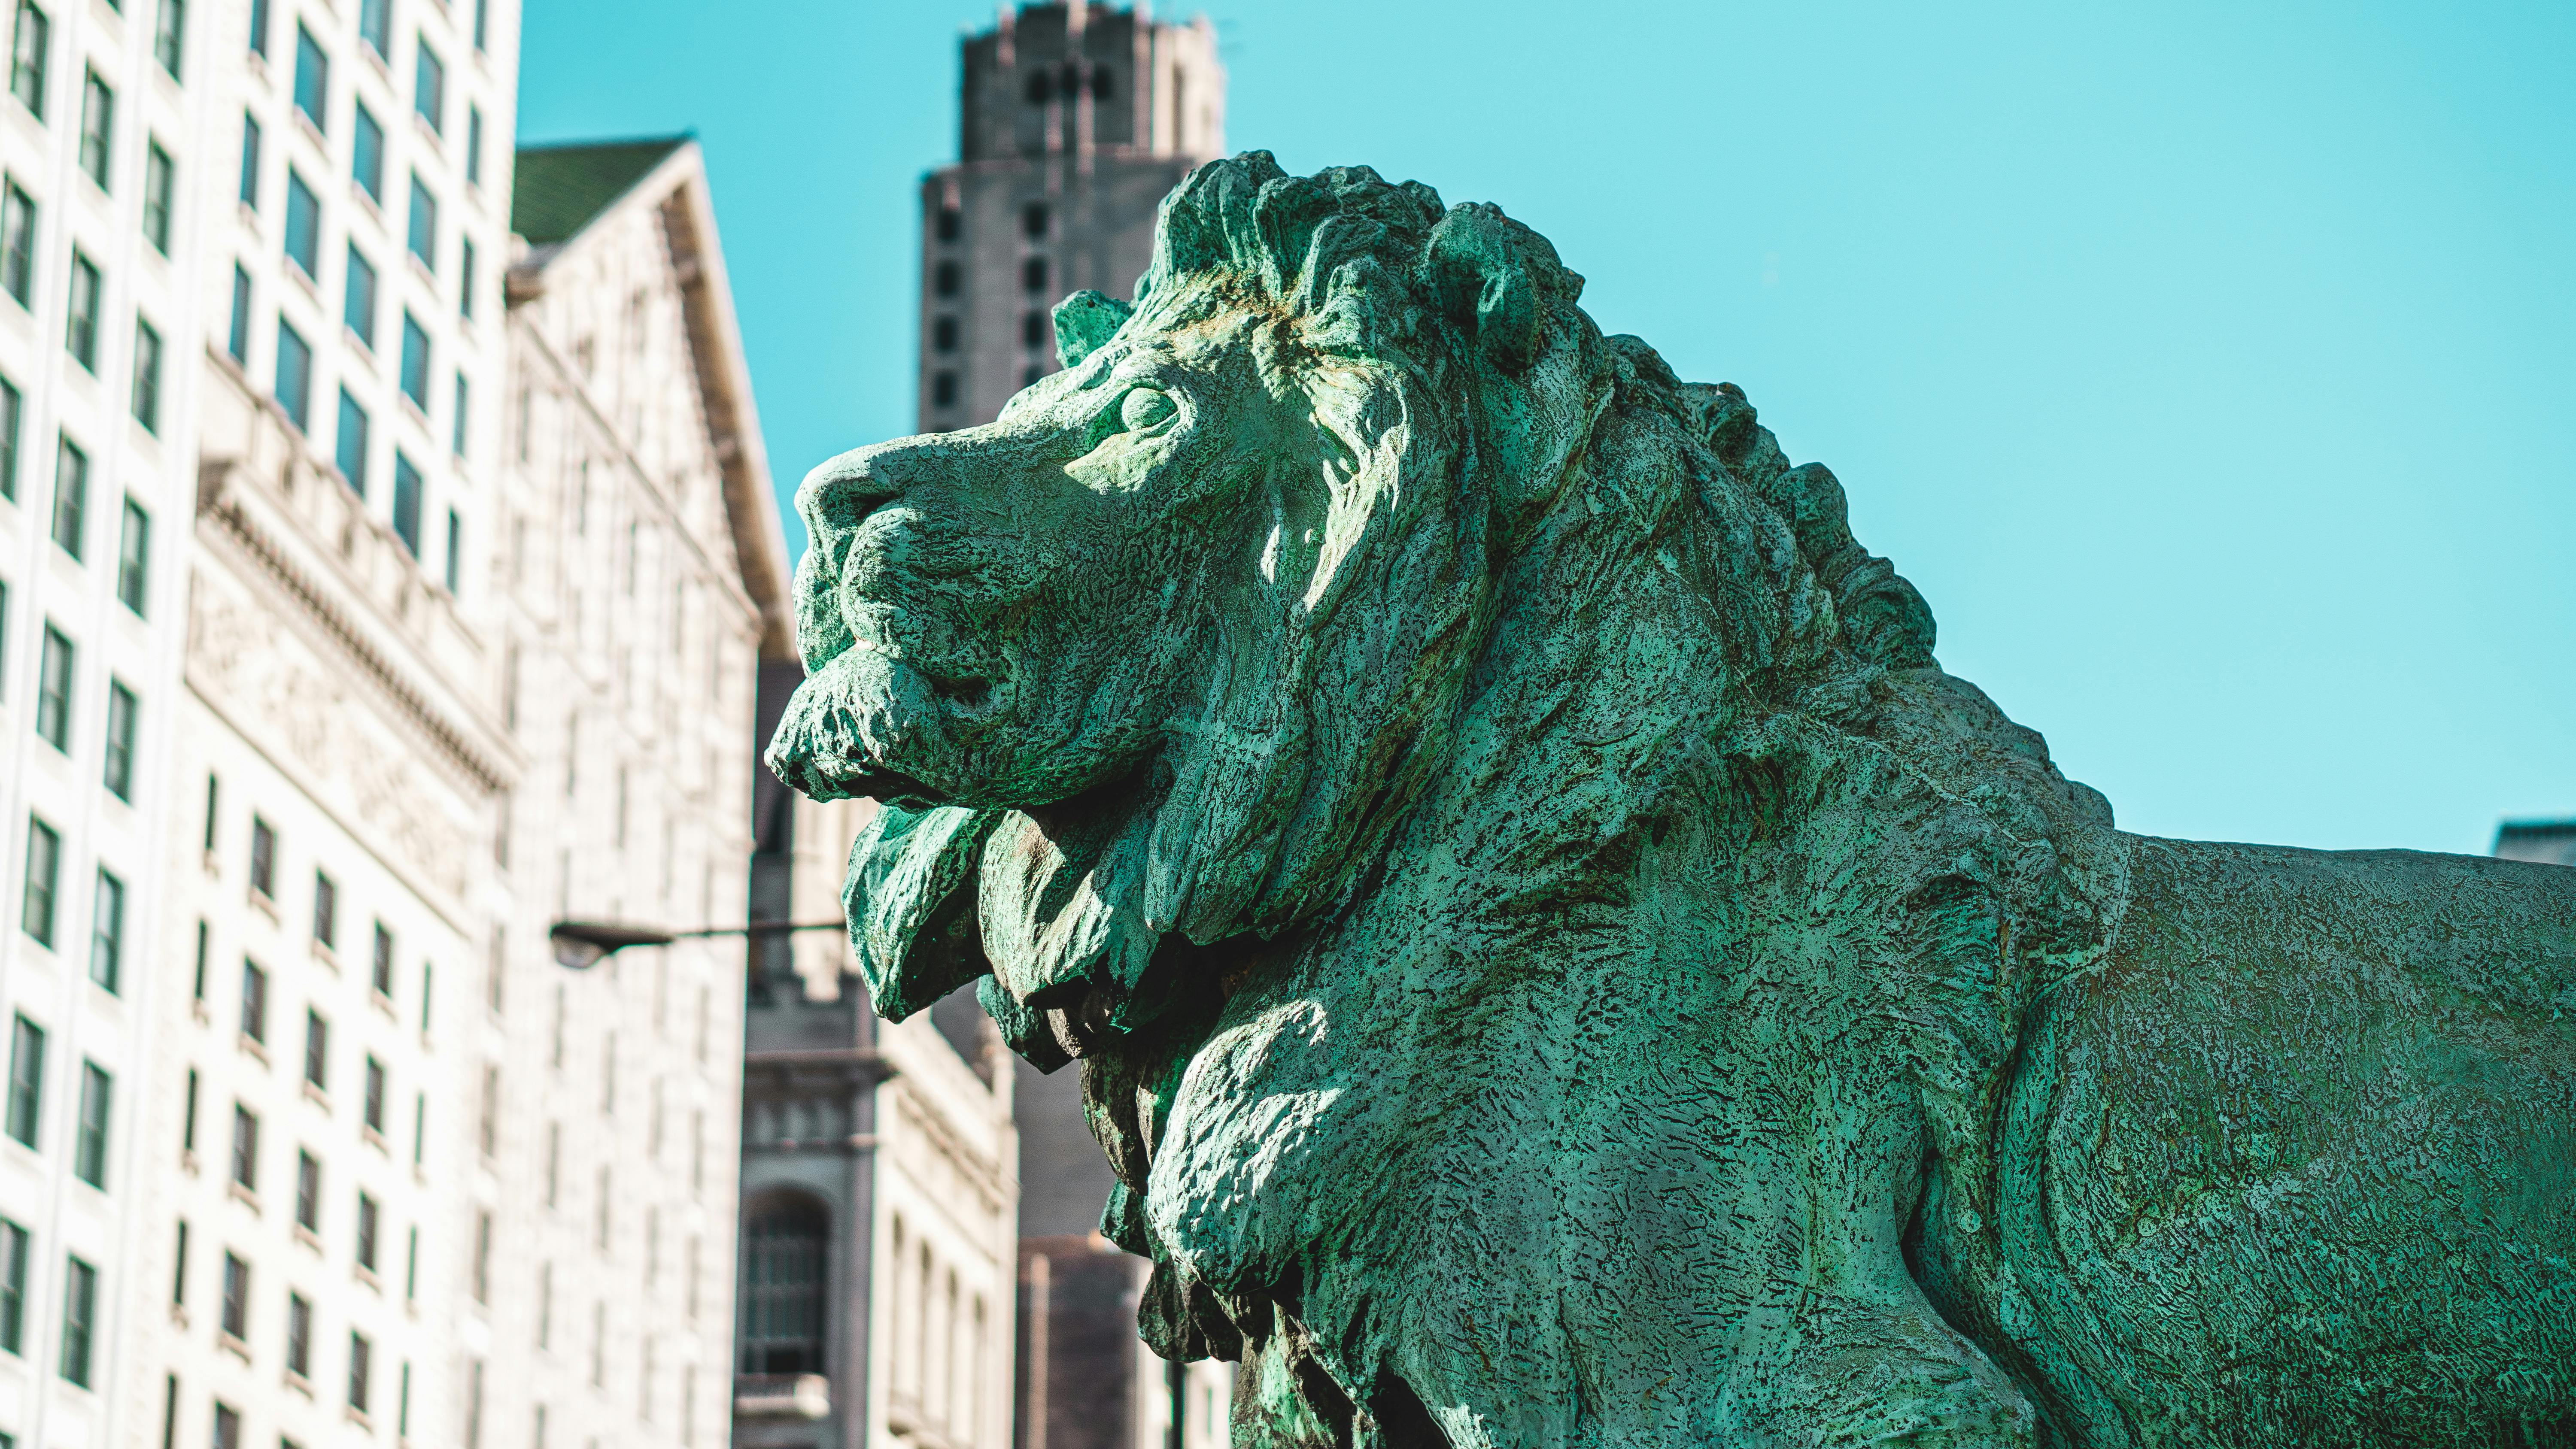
{"x": 2551, "y": 842}
{"x": 1074, "y": 120}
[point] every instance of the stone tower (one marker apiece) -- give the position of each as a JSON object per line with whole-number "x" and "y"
{"x": 1073, "y": 121}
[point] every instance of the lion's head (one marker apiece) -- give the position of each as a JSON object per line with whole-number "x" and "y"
{"x": 1184, "y": 631}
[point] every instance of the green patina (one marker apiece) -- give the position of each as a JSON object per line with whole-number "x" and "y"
{"x": 1554, "y": 961}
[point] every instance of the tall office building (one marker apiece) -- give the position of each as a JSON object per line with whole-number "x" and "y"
{"x": 104, "y": 155}
{"x": 313, "y": 1131}
{"x": 359, "y": 618}
{"x": 1074, "y": 121}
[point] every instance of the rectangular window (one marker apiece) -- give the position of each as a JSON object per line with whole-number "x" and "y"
{"x": 299, "y": 1336}
{"x": 160, "y": 189}
{"x": 54, "y": 699}
{"x": 415, "y": 363}
{"x": 360, "y": 1353}
{"x": 411, "y": 1263}
{"x": 237, "y": 338}
{"x": 381, "y": 972}
{"x": 179, "y": 1268}
{"x": 367, "y": 154}
{"x": 308, "y": 1192}
{"x": 254, "y": 1002}
{"x": 245, "y": 1148}
{"x": 169, "y": 33}
{"x": 107, "y": 932}
{"x": 13, "y": 417}
{"x": 407, "y": 485}
{"x": 28, "y": 46}
{"x": 455, "y": 552}
{"x": 351, "y": 445}
{"x": 376, "y": 26}
{"x": 80, "y": 327}
{"x": 147, "y": 376}
{"x": 235, "y": 1319}
{"x": 424, "y": 224}
{"x": 117, "y": 771}
{"x": 26, "y": 1079}
{"x": 465, "y": 279}
{"x": 188, "y": 1107}
{"x": 312, "y": 79}
{"x": 482, "y": 28}
{"x": 227, "y": 1427}
{"x": 71, "y": 495}
{"x": 13, "y": 1286}
{"x": 429, "y": 87}
{"x": 371, "y": 1107}
{"x": 80, "y": 1317}
{"x": 89, "y": 1142}
{"x": 473, "y": 145}
{"x": 17, "y": 243}
{"x": 133, "y": 557}
{"x": 482, "y": 1277}
{"x": 259, "y": 28}
{"x": 317, "y": 1049}
{"x": 263, "y": 858}
{"x": 358, "y": 298}
{"x": 303, "y": 226}
{"x": 326, "y": 910}
{"x": 294, "y": 389}
{"x": 250, "y": 163}
{"x": 456, "y": 430}
{"x": 97, "y": 128}
{"x": 487, "y": 1125}
{"x": 367, "y": 1215}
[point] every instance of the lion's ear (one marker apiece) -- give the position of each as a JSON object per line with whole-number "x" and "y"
{"x": 1483, "y": 281}
{"x": 1084, "y": 323}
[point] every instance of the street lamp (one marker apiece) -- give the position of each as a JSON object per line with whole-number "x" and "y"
{"x": 580, "y": 945}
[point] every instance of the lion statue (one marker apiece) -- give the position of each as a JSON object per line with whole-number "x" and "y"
{"x": 1555, "y": 962}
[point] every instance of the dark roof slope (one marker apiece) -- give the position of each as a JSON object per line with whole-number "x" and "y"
{"x": 557, "y": 189}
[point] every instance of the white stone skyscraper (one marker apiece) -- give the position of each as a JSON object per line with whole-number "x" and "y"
{"x": 363, "y": 611}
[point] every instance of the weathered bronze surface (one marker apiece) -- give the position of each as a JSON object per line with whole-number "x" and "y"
{"x": 1553, "y": 959}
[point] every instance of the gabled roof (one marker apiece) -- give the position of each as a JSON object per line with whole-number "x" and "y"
{"x": 558, "y": 189}
{"x": 561, "y": 191}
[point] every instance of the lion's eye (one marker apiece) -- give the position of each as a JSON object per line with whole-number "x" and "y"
{"x": 1144, "y": 408}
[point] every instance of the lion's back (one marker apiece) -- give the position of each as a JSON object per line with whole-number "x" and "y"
{"x": 2313, "y": 1123}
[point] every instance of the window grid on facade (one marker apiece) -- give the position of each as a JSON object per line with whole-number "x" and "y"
{"x": 234, "y": 1319}
{"x": 254, "y": 1004}
{"x": 97, "y": 128}
{"x": 312, "y": 79}
{"x": 317, "y": 1049}
{"x": 308, "y": 1192}
{"x": 146, "y": 392}
{"x": 367, "y": 153}
{"x": 80, "y": 327}
{"x": 349, "y": 443}
{"x": 80, "y": 1319}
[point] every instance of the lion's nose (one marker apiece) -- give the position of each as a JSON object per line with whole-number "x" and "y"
{"x": 846, "y": 489}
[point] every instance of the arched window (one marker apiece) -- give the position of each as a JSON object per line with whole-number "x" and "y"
{"x": 786, "y": 1249}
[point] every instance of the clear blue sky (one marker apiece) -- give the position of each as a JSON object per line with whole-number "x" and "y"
{"x": 2211, "y": 369}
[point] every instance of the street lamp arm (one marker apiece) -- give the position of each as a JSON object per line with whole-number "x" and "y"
{"x": 580, "y": 945}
